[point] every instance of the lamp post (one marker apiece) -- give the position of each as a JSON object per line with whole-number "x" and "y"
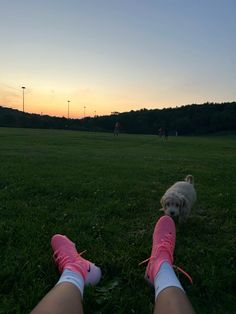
{"x": 23, "y": 88}
{"x": 84, "y": 111}
{"x": 68, "y": 101}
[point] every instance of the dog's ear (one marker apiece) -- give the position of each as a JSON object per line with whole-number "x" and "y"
{"x": 183, "y": 211}
{"x": 182, "y": 206}
{"x": 163, "y": 202}
{"x": 183, "y": 202}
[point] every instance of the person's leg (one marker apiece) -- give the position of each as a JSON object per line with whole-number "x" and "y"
{"x": 63, "y": 298}
{"x": 173, "y": 300}
{"x": 66, "y": 296}
{"x": 169, "y": 294}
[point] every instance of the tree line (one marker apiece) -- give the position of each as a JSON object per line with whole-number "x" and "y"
{"x": 186, "y": 120}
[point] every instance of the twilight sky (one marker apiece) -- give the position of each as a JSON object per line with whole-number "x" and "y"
{"x": 116, "y": 55}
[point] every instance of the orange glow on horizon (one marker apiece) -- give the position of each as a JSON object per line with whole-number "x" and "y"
{"x": 97, "y": 101}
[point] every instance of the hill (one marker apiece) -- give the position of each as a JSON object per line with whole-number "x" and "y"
{"x": 187, "y": 120}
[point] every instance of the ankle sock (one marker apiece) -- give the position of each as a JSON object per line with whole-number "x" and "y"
{"x": 165, "y": 278}
{"x": 74, "y": 278}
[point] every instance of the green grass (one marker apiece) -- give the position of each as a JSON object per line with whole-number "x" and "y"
{"x": 103, "y": 192}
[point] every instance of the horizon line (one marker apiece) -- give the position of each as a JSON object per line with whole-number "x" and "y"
{"x": 118, "y": 113}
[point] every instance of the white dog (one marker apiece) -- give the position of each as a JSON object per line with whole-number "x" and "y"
{"x": 179, "y": 199}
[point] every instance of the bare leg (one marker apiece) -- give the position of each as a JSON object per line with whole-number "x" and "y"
{"x": 64, "y": 298}
{"x": 173, "y": 300}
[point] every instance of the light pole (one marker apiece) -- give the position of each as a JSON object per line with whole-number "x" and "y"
{"x": 23, "y": 88}
{"x": 84, "y": 111}
{"x": 68, "y": 108}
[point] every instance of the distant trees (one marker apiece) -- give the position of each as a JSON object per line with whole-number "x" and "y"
{"x": 187, "y": 120}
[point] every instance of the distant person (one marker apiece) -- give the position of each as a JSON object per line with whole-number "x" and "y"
{"x": 117, "y": 129}
{"x": 160, "y": 132}
{"x": 166, "y": 134}
{"x": 176, "y": 133}
{"x": 76, "y": 273}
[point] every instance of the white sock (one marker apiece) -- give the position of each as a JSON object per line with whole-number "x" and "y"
{"x": 165, "y": 278}
{"x": 74, "y": 278}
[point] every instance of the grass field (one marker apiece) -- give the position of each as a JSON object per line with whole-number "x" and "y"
{"x": 103, "y": 192}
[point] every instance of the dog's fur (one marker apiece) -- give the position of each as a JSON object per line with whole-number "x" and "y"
{"x": 179, "y": 199}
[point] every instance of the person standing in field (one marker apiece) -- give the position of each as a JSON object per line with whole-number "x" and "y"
{"x": 117, "y": 129}
{"x": 160, "y": 132}
{"x": 166, "y": 134}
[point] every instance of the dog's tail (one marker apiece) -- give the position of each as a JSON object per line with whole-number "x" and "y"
{"x": 189, "y": 179}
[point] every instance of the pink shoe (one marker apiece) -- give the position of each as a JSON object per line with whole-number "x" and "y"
{"x": 66, "y": 257}
{"x": 163, "y": 246}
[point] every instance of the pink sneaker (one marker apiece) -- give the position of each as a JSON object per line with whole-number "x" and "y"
{"x": 66, "y": 257}
{"x": 163, "y": 246}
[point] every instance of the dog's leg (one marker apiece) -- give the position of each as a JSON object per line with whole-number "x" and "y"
{"x": 184, "y": 213}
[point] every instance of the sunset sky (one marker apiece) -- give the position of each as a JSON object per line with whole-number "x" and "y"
{"x": 116, "y": 55}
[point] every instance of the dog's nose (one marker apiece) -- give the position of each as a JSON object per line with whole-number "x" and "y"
{"x": 172, "y": 213}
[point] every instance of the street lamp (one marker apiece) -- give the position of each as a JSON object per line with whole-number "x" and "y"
{"x": 68, "y": 108}
{"x": 84, "y": 111}
{"x": 23, "y": 88}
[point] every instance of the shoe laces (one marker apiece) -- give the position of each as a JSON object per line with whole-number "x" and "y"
{"x": 166, "y": 245}
{"x": 185, "y": 273}
{"x": 62, "y": 258}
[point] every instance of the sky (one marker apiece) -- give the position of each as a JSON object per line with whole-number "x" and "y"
{"x": 115, "y": 55}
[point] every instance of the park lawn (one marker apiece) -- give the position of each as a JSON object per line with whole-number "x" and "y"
{"x": 104, "y": 193}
